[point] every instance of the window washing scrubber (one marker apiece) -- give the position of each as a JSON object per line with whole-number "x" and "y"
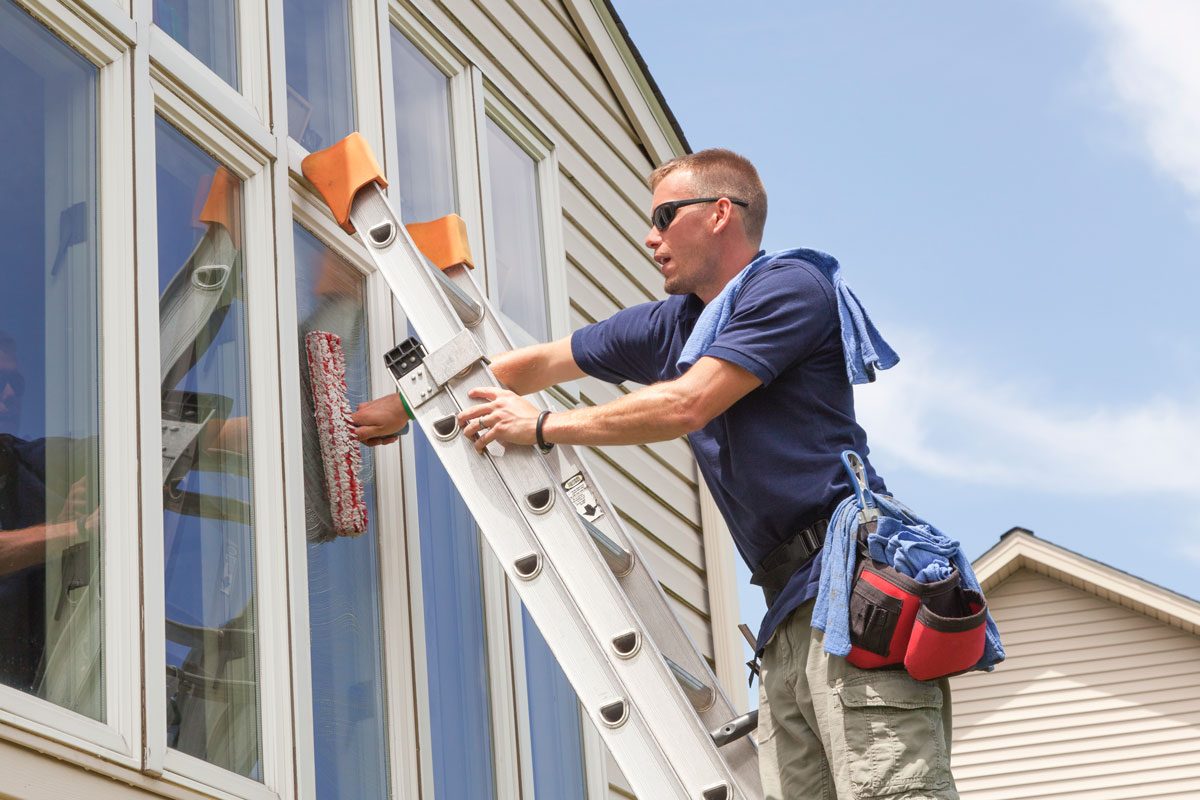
{"x": 339, "y": 449}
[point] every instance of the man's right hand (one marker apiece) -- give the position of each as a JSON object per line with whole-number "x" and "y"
{"x": 379, "y": 421}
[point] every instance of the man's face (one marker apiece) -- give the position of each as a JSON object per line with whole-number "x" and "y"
{"x": 682, "y": 251}
{"x": 11, "y": 389}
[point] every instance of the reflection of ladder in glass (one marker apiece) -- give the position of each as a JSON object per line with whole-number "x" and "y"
{"x": 636, "y": 671}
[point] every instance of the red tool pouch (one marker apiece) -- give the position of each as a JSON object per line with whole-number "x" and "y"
{"x": 943, "y": 645}
{"x": 933, "y": 629}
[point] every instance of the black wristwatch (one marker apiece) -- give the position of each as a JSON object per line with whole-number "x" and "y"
{"x": 541, "y": 443}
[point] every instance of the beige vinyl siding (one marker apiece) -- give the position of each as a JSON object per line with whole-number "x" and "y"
{"x": 1095, "y": 702}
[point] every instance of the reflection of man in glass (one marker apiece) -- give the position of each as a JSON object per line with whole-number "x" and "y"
{"x": 36, "y": 515}
{"x": 12, "y": 386}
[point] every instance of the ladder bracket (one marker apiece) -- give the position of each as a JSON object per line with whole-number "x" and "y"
{"x": 454, "y": 357}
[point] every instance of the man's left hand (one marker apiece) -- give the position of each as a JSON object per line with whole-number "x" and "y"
{"x": 505, "y": 417}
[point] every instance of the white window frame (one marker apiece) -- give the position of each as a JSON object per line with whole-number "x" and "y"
{"x": 104, "y": 39}
{"x": 245, "y": 109}
{"x": 247, "y": 163}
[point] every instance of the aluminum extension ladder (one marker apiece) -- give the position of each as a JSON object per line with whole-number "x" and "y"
{"x": 635, "y": 670}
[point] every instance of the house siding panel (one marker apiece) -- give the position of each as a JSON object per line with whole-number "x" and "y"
{"x": 1094, "y": 701}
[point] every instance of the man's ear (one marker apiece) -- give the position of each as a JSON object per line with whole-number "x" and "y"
{"x": 722, "y": 214}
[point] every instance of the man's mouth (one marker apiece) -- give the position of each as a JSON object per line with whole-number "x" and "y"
{"x": 662, "y": 262}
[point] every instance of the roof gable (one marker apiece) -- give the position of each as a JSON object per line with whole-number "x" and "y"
{"x": 1020, "y": 549}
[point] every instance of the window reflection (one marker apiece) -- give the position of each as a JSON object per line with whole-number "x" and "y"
{"x": 320, "y": 98}
{"x": 211, "y": 658}
{"x": 349, "y": 717}
{"x": 518, "y": 265}
{"x": 51, "y": 630}
{"x": 207, "y": 30}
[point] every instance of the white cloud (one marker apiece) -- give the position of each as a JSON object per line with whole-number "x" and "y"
{"x": 1152, "y": 62}
{"x": 940, "y": 418}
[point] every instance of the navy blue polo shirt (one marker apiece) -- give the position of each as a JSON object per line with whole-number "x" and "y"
{"x": 772, "y": 460}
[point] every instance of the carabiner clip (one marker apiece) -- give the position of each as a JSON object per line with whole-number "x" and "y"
{"x": 857, "y": 471}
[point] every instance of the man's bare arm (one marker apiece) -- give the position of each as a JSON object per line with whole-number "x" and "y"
{"x": 523, "y": 371}
{"x": 653, "y": 413}
{"x": 537, "y": 367}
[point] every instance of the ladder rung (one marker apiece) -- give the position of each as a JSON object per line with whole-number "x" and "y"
{"x": 735, "y": 729}
{"x": 619, "y": 560}
{"x": 700, "y": 694}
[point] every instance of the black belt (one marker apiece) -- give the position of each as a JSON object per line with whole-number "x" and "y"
{"x": 780, "y": 564}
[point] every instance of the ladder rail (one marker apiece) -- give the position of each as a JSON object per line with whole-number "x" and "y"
{"x": 652, "y": 707}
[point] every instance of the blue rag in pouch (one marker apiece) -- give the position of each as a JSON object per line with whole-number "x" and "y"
{"x": 907, "y": 542}
{"x": 864, "y": 347}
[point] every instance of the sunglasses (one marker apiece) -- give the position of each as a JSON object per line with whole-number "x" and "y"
{"x": 10, "y": 377}
{"x": 664, "y": 213}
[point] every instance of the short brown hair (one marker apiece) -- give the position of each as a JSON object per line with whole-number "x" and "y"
{"x": 723, "y": 173}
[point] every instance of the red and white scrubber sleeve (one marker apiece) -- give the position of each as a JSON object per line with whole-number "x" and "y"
{"x": 339, "y": 449}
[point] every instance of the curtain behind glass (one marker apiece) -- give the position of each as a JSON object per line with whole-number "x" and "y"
{"x": 211, "y": 627}
{"x": 345, "y": 621}
{"x": 426, "y": 169}
{"x": 317, "y": 52}
{"x": 51, "y": 635}
{"x": 518, "y": 265}
{"x": 553, "y": 721}
{"x": 208, "y": 30}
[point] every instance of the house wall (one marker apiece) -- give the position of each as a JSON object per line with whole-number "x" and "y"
{"x": 523, "y": 61}
{"x": 1093, "y": 701}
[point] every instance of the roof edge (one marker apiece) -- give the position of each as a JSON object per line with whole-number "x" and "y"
{"x": 1019, "y": 547}
{"x": 622, "y": 65}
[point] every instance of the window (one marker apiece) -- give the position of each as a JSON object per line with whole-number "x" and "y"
{"x": 51, "y": 592}
{"x": 518, "y": 261}
{"x": 209, "y": 546}
{"x": 451, "y": 575}
{"x": 345, "y": 620}
{"x": 424, "y": 141}
{"x": 320, "y": 98}
{"x": 207, "y": 30}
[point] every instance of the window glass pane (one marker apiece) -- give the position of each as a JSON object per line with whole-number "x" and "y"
{"x": 211, "y": 658}
{"x": 553, "y": 722}
{"x": 518, "y": 265}
{"x": 426, "y": 151}
{"x": 349, "y": 718}
{"x": 50, "y": 537}
{"x": 317, "y": 50}
{"x": 208, "y": 30}
{"x": 454, "y": 634}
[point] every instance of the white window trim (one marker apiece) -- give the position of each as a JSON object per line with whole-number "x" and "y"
{"x": 104, "y": 41}
{"x": 272, "y": 651}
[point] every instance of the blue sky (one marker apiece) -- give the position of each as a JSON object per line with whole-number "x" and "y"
{"x": 1014, "y": 192}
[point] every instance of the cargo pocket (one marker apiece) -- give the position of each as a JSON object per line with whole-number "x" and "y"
{"x": 894, "y": 737}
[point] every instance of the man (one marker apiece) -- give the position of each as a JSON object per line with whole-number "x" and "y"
{"x": 767, "y": 409}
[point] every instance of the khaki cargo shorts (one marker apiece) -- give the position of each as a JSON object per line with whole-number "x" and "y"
{"x": 828, "y": 730}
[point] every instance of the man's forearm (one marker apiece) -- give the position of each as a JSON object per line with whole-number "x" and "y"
{"x": 654, "y": 413}
{"x": 537, "y": 367}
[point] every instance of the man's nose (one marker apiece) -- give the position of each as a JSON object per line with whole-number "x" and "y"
{"x": 653, "y": 238}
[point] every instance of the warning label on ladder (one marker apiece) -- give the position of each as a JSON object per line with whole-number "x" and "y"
{"x": 580, "y": 495}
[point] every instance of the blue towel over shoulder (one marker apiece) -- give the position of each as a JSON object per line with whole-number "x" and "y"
{"x": 864, "y": 347}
